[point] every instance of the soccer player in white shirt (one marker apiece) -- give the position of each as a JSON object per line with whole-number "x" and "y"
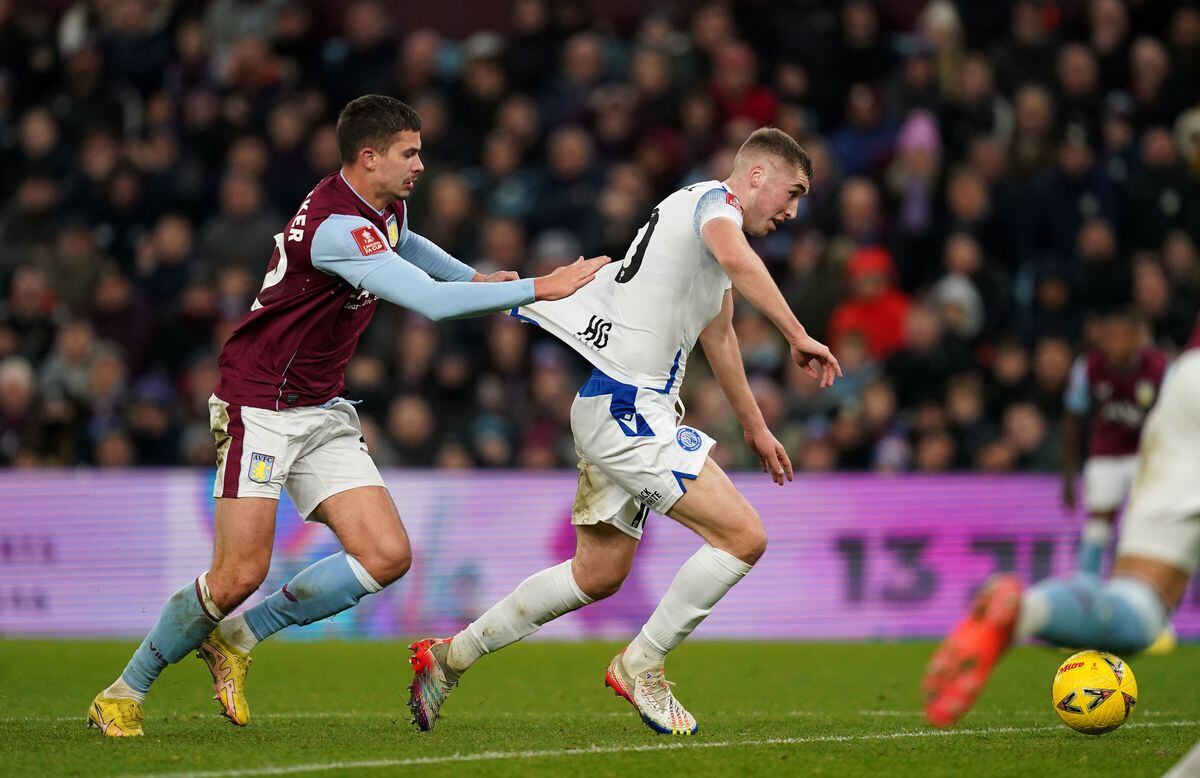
{"x": 637, "y": 324}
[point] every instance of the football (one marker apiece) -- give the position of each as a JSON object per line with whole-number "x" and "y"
{"x": 1094, "y": 692}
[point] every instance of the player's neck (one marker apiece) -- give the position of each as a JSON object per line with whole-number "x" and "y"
{"x": 358, "y": 183}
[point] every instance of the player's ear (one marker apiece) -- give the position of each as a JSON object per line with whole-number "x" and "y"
{"x": 368, "y": 158}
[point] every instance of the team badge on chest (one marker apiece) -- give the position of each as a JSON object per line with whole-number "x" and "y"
{"x": 393, "y": 230}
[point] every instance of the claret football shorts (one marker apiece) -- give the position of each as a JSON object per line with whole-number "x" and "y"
{"x": 313, "y": 452}
{"x": 634, "y": 456}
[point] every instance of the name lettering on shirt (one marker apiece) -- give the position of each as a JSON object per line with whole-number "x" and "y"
{"x": 296, "y": 231}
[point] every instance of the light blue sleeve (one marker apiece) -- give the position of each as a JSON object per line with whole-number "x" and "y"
{"x": 431, "y": 258}
{"x": 335, "y": 251}
{"x": 1078, "y": 397}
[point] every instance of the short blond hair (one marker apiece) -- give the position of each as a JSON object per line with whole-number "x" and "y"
{"x": 777, "y": 143}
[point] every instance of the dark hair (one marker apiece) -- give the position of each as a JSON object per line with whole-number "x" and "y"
{"x": 1126, "y": 313}
{"x": 779, "y": 144}
{"x": 372, "y": 120}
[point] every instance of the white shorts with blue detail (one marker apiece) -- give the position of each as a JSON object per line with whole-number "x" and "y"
{"x": 634, "y": 456}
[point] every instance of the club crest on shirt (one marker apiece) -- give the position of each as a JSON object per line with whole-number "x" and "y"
{"x": 731, "y": 199}
{"x": 393, "y": 230}
{"x": 1144, "y": 391}
{"x": 368, "y": 241}
{"x": 261, "y": 466}
{"x": 688, "y": 438}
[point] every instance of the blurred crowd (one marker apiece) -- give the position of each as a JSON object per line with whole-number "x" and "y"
{"x": 990, "y": 178}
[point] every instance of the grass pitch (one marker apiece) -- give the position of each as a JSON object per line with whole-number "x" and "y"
{"x": 764, "y": 709}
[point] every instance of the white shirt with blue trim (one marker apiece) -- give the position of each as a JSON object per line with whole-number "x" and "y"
{"x": 640, "y": 318}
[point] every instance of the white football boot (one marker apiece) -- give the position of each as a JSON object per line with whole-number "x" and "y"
{"x": 650, "y": 693}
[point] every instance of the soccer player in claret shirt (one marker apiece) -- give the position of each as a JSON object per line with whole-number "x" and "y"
{"x": 279, "y": 420}
{"x": 1158, "y": 551}
{"x": 637, "y": 325}
{"x": 1116, "y": 383}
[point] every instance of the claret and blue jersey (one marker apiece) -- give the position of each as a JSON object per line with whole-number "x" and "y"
{"x": 331, "y": 263}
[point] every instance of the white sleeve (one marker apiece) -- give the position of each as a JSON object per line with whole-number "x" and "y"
{"x": 716, "y": 204}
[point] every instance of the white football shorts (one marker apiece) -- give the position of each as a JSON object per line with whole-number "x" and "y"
{"x": 313, "y": 452}
{"x": 1107, "y": 481}
{"x": 634, "y": 456}
{"x": 1163, "y": 518}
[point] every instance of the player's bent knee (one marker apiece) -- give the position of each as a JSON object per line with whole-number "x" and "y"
{"x": 599, "y": 584}
{"x": 231, "y": 585}
{"x": 752, "y": 545}
{"x": 747, "y": 541}
{"x": 388, "y": 564}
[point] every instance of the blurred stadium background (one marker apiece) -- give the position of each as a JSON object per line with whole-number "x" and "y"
{"x": 990, "y": 178}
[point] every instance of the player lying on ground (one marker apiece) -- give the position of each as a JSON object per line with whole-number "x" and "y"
{"x": 1157, "y": 553}
{"x": 279, "y": 422}
{"x": 637, "y": 324}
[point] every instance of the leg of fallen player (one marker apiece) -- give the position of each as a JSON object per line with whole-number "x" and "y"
{"x": 376, "y": 553}
{"x": 1124, "y": 614}
{"x": 243, "y": 529}
{"x": 603, "y": 557}
{"x": 734, "y": 540}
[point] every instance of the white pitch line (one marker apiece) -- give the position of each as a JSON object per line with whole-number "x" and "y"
{"x": 489, "y": 756}
{"x": 354, "y": 714}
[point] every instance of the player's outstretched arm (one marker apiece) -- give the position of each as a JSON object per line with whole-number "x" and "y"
{"x": 725, "y": 358}
{"x": 727, "y": 242}
{"x": 399, "y": 282}
{"x": 435, "y": 261}
{"x": 352, "y": 248}
{"x": 405, "y": 285}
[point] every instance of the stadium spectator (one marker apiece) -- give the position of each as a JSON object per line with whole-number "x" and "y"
{"x": 977, "y": 206}
{"x": 875, "y": 307}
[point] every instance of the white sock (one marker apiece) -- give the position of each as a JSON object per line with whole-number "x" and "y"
{"x": 540, "y": 598}
{"x": 237, "y": 633}
{"x": 121, "y": 689}
{"x": 698, "y": 586}
{"x": 206, "y": 598}
{"x": 1033, "y": 617}
{"x": 1097, "y": 531}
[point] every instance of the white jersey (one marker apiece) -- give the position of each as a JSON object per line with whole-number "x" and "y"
{"x": 638, "y": 320}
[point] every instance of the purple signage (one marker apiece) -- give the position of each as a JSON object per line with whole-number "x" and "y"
{"x": 95, "y": 553}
